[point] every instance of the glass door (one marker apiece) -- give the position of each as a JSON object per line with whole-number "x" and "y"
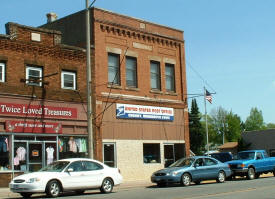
{"x": 109, "y": 154}
{"x": 169, "y": 154}
{"x": 35, "y": 156}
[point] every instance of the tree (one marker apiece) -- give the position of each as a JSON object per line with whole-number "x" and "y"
{"x": 255, "y": 120}
{"x": 196, "y": 130}
{"x": 270, "y": 126}
{"x": 234, "y": 128}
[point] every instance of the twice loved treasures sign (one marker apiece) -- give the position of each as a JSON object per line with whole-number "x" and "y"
{"x": 37, "y": 111}
{"x": 129, "y": 111}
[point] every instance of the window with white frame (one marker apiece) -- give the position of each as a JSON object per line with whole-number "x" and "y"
{"x": 34, "y": 76}
{"x": 2, "y": 71}
{"x": 68, "y": 80}
{"x": 170, "y": 77}
{"x": 131, "y": 72}
{"x": 113, "y": 69}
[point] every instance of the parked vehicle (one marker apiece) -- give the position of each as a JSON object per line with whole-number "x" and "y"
{"x": 252, "y": 164}
{"x": 192, "y": 169}
{"x": 74, "y": 174}
{"x": 222, "y": 156}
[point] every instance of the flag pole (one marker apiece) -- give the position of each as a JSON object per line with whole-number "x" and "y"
{"x": 206, "y": 125}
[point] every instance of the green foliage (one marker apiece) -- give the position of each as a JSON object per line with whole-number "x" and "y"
{"x": 234, "y": 129}
{"x": 196, "y": 131}
{"x": 255, "y": 120}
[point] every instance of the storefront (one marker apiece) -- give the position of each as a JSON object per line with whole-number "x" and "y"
{"x": 140, "y": 139}
{"x": 32, "y": 136}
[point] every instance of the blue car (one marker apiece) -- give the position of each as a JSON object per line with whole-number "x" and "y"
{"x": 192, "y": 169}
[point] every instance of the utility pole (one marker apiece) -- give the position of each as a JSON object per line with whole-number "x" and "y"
{"x": 206, "y": 125}
{"x": 89, "y": 98}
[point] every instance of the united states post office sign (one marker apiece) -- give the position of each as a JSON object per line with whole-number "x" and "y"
{"x": 130, "y": 111}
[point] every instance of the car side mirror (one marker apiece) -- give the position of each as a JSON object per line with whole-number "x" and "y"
{"x": 70, "y": 170}
{"x": 196, "y": 165}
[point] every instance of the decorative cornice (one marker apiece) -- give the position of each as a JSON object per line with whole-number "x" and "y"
{"x": 136, "y": 33}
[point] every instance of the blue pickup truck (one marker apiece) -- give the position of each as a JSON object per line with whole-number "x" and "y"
{"x": 252, "y": 164}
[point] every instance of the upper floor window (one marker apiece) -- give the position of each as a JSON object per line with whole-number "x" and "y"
{"x": 2, "y": 72}
{"x": 34, "y": 76}
{"x": 170, "y": 77}
{"x": 68, "y": 80}
{"x": 155, "y": 75}
{"x": 113, "y": 69}
{"x": 131, "y": 72}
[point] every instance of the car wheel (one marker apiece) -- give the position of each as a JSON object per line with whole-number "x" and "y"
{"x": 53, "y": 189}
{"x": 221, "y": 177}
{"x": 107, "y": 186}
{"x": 79, "y": 192}
{"x": 26, "y": 195}
{"x": 186, "y": 179}
{"x": 250, "y": 173}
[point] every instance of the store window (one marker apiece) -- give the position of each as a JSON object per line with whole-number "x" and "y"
{"x": 68, "y": 80}
{"x": 113, "y": 69}
{"x": 173, "y": 152}
{"x": 72, "y": 147}
{"x": 2, "y": 71}
{"x": 155, "y": 75}
{"x": 34, "y": 76}
{"x": 5, "y": 163}
{"x": 170, "y": 77}
{"x": 131, "y": 72}
{"x": 151, "y": 153}
{"x": 20, "y": 156}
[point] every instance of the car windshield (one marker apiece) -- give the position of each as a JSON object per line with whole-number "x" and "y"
{"x": 246, "y": 155}
{"x": 57, "y": 166}
{"x": 183, "y": 162}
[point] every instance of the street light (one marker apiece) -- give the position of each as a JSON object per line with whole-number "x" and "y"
{"x": 88, "y": 68}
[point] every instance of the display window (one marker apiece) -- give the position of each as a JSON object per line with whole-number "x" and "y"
{"x": 72, "y": 147}
{"x": 5, "y": 153}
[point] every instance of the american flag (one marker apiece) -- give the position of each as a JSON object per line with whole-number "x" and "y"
{"x": 208, "y": 96}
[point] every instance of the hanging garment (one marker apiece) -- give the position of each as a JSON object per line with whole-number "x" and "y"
{"x": 21, "y": 153}
{"x": 50, "y": 156}
{"x": 72, "y": 145}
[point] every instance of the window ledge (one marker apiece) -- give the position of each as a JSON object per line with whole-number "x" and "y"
{"x": 132, "y": 88}
{"x": 114, "y": 86}
{"x": 171, "y": 93}
{"x": 156, "y": 91}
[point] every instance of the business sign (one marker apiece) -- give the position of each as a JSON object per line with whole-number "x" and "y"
{"x": 37, "y": 111}
{"x": 129, "y": 111}
{"x": 33, "y": 127}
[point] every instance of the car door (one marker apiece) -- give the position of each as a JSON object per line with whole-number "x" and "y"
{"x": 211, "y": 168}
{"x": 75, "y": 176}
{"x": 198, "y": 171}
{"x": 94, "y": 173}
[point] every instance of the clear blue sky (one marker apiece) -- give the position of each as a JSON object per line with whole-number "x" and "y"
{"x": 230, "y": 43}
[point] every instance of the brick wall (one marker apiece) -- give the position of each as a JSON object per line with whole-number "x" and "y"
{"x": 18, "y": 51}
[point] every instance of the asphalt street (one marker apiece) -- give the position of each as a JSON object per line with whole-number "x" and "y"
{"x": 262, "y": 188}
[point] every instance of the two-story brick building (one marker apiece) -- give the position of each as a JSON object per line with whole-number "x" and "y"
{"x": 42, "y": 100}
{"x": 139, "y": 90}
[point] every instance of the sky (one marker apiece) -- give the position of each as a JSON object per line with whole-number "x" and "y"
{"x": 229, "y": 44}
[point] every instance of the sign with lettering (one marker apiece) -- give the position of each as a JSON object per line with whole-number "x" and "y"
{"x": 37, "y": 111}
{"x": 33, "y": 127}
{"x": 129, "y": 111}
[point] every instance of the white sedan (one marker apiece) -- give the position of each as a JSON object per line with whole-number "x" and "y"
{"x": 74, "y": 174}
